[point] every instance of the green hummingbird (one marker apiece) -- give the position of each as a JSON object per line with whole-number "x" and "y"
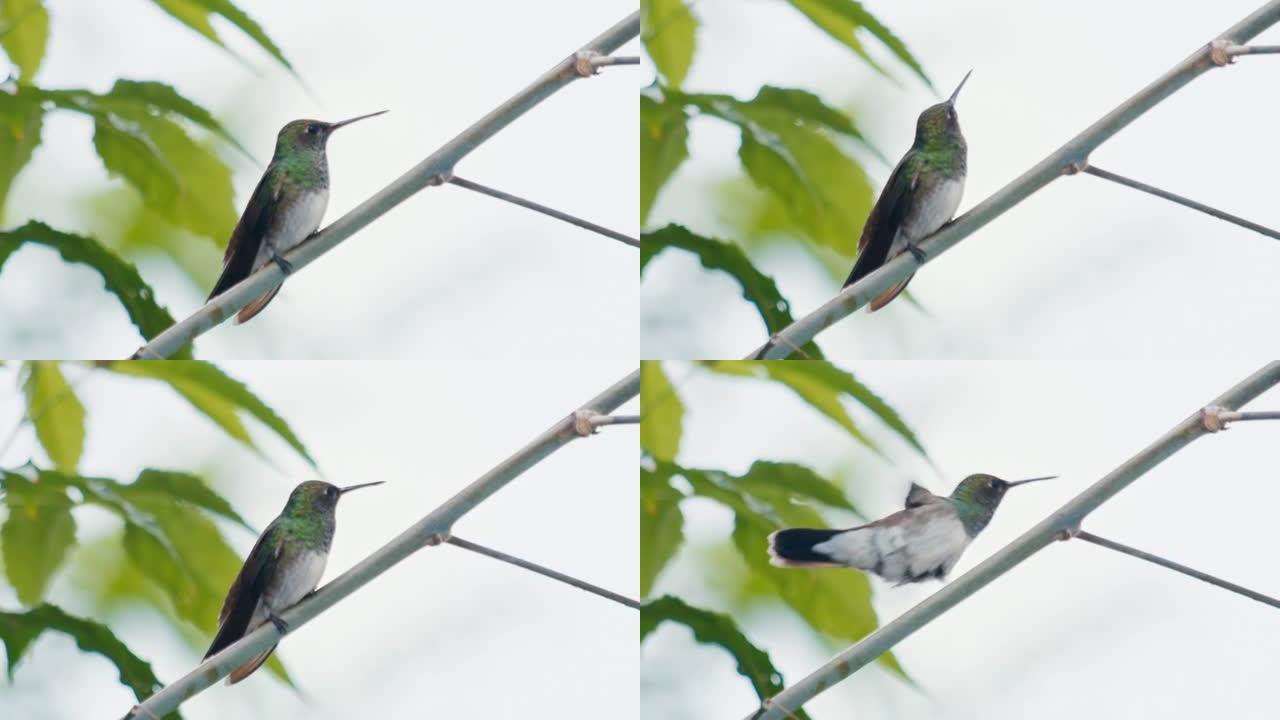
{"x": 923, "y": 540}
{"x": 283, "y": 567}
{"x": 285, "y": 208}
{"x": 921, "y": 195}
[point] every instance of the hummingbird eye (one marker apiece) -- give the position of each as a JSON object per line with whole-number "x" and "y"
{"x": 331, "y": 491}
{"x": 312, "y": 129}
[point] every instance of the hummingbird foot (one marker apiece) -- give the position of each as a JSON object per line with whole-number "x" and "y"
{"x": 286, "y": 267}
{"x": 281, "y": 626}
{"x": 917, "y": 253}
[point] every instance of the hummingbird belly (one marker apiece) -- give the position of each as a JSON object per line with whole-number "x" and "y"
{"x": 935, "y": 206}
{"x": 297, "y": 221}
{"x": 920, "y": 543}
{"x": 292, "y": 582}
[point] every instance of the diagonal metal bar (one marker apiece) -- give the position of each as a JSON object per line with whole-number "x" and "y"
{"x": 431, "y": 171}
{"x": 1176, "y": 567}
{"x": 548, "y": 211}
{"x": 1069, "y": 516}
{"x": 429, "y": 531}
{"x": 1075, "y": 153}
{"x": 1183, "y": 201}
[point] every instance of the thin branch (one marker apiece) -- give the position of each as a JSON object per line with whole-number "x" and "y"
{"x": 1177, "y": 567}
{"x": 1216, "y": 418}
{"x": 548, "y": 572}
{"x": 538, "y": 207}
{"x": 429, "y": 531}
{"x": 1238, "y": 50}
{"x": 1037, "y": 538}
{"x": 1074, "y": 153}
{"x": 616, "y": 60}
{"x": 600, "y": 420}
{"x": 1185, "y": 202}
{"x": 431, "y": 171}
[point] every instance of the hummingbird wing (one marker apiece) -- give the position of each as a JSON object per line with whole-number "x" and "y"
{"x": 250, "y": 233}
{"x": 246, "y": 592}
{"x": 886, "y": 217}
{"x": 918, "y": 496}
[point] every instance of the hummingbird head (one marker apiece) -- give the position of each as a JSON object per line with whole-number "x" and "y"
{"x": 939, "y": 123}
{"x": 311, "y": 135}
{"x": 977, "y": 497}
{"x": 315, "y": 496}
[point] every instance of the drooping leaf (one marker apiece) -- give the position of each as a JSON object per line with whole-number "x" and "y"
{"x": 19, "y": 630}
{"x": 825, "y": 387}
{"x": 757, "y": 288}
{"x": 663, "y": 147}
{"x": 184, "y": 487}
{"x": 841, "y": 19}
{"x": 159, "y": 96}
{"x": 24, "y": 34}
{"x": 667, "y": 31}
{"x": 56, "y": 413}
{"x": 661, "y": 525}
{"x": 218, "y": 394}
{"x": 661, "y": 412}
{"x": 37, "y": 533}
{"x": 120, "y": 278}
{"x": 196, "y": 15}
{"x": 780, "y": 484}
{"x": 21, "y": 120}
{"x": 718, "y": 629}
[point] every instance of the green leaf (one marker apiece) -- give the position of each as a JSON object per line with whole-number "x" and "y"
{"x": 782, "y": 483}
{"x": 56, "y": 413}
{"x": 714, "y": 628}
{"x": 668, "y": 30}
{"x": 842, "y": 18}
{"x": 825, "y": 387}
{"x": 661, "y": 412}
{"x": 19, "y": 630}
{"x": 196, "y": 14}
{"x": 21, "y": 120}
{"x": 664, "y": 139}
{"x": 24, "y": 33}
{"x": 36, "y": 535}
{"x": 121, "y": 278}
{"x": 215, "y": 394}
{"x": 661, "y": 525}
{"x": 159, "y": 96}
{"x": 757, "y": 288}
{"x": 184, "y": 487}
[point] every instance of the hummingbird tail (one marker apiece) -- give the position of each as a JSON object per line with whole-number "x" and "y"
{"x": 883, "y": 299}
{"x": 255, "y": 307}
{"x": 795, "y": 548}
{"x": 247, "y": 669}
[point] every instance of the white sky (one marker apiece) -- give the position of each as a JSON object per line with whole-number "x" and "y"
{"x": 1077, "y": 631}
{"x": 1082, "y": 265}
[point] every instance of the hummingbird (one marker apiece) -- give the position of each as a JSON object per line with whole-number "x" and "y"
{"x": 286, "y": 207}
{"x": 923, "y": 540}
{"x": 921, "y": 195}
{"x": 283, "y": 567}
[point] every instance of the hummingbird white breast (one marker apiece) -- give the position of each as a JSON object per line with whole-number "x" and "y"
{"x": 297, "y": 221}
{"x": 922, "y": 542}
{"x": 293, "y": 582}
{"x": 930, "y": 210}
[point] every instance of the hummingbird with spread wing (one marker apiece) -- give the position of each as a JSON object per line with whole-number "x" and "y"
{"x": 921, "y": 195}
{"x": 283, "y": 567}
{"x": 923, "y": 540}
{"x": 286, "y": 208}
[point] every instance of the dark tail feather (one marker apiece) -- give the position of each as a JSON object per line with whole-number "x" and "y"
{"x": 794, "y": 547}
{"x": 860, "y": 270}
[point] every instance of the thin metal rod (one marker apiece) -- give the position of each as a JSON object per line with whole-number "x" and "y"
{"x": 1070, "y": 515}
{"x": 1074, "y": 153}
{"x": 429, "y": 531}
{"x": 1177, "y": 567}
{"x": 1185, "y": 202}
{"x": 615, "y": 420}
{"x": 431, "y": 171}
{"x": 538, "y": 207}
{"x": 547, "y": 572}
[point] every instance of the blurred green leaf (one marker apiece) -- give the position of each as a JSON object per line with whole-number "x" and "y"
{"x": 55, "y": 412}
{"x": 120, "y": 278}
{"x": 780, "y": 484}
{"x": 184, "y": 487}
{"x": 841, "y": 19}
{"x": 825, "y": 387}
{"x": 757, "y": 288}
{"x": 668, "y": 30}
{"x": 714, "y": 628}
{"x": 215, "y": 394}
{"x": 663, "y": 147}
{"x": 661, "y": 525}
{"x": 36, "y": 535}
{"x": 196, "y": 14}
{"x": 19, "y": 630}
{"x": 21, "y": 119}
{"x": 24, "y": 33}
{"x": 661, "y": 412}
{"x": 159, "y": 96}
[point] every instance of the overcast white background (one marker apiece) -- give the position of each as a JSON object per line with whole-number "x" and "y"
{"x": 446, "y": 633}
{"x": 446, "y": 271}
{"x": 1083, "y": 266}
{"x": 1077, "y": 630}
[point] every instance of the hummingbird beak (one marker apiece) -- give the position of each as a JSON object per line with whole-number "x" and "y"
{"x": 1024, "y": 482}
{"x": 349, "y": 488}
{"x": 956, "y": 92}
{"x": 335, "y": 126}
